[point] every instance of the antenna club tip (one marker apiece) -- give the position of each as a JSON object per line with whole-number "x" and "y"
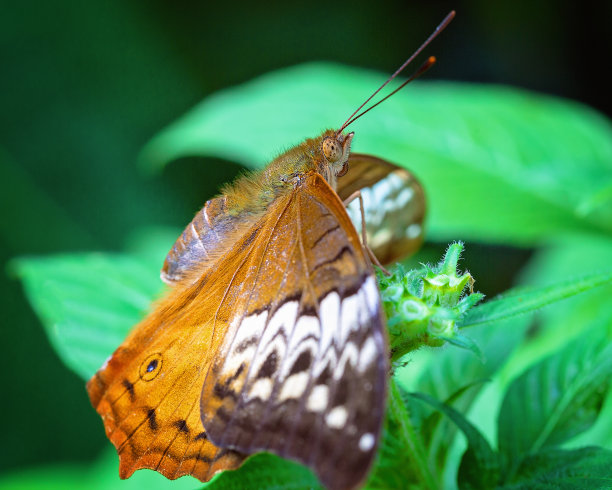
{"x": 431, "y": 60}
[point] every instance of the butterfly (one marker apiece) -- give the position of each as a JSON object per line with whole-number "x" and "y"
{"x": 271, "y": 337}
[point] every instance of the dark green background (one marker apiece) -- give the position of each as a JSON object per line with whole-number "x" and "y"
{"x": 85, "y": 84}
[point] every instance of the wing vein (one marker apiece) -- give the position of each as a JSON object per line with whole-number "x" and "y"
{"x": 263, "y": 254}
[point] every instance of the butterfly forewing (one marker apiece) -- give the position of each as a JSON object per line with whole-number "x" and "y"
{"x": 302, "y": 367}
{"x": 394, "y": 205}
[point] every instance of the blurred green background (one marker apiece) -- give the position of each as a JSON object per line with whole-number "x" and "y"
{"x": 86, "y": 84}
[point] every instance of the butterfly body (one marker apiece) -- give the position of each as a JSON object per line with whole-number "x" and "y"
{"x": 223, "y": 219}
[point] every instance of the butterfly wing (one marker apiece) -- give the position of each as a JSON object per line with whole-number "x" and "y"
{"x": 394, "y": 205}
{"x": 279, "y": 347}
{"x": 302, "y": 368}
{"x": 148, "y": 394}
{"x": 209, "y": 236}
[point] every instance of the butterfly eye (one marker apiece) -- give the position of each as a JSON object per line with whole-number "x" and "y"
{"x": 331, "y": 149}
{"x": 151, "y": 367}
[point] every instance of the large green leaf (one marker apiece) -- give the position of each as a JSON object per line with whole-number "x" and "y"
{"x": 490, "y": 157}
{"x": 266, "y": 471}
{"x": 88, "y": 302}
{"x": 570, "y": 321}
{"x": 526, "y": 300}
{"x": 566, "y": 257}
{"x": 402, "y": 459}
{"x": 479, "y": 467}
{"x": 497, "y": 330}
{"x": 581, "y": 469}
{"x": 440, "y": 373}
{"x": 556, "y": 399}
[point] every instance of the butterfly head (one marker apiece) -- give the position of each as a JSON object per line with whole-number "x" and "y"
{"x": 336, "y": 147}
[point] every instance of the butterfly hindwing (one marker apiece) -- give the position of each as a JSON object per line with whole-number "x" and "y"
{"x": 394, "y": 205}
{"x": 302, "y": 369}
{"x": 149, "y": 399}
{"x": 207, "y": 238}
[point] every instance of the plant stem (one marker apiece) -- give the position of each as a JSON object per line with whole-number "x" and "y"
{"x": 411, "y": 440}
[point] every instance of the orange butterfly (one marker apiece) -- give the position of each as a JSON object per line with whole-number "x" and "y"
{"x": 272, "y": 337}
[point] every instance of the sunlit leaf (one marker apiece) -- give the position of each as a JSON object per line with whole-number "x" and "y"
{"x": 479, "y": 467}
{"x": 490, "y": 157}
{"x": 88, "y": 302}
{"x": 586, "y": 468}
{"x": 525, "y": 300}
{"x": 556, "y": 399}
{"x": 266, "y": 471}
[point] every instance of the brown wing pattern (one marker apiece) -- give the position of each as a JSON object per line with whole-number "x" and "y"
{"x": 394, "y": 204}
{"x": 302, "y": 369}
{"x": 289, "y": 323}
{"x": 210, "y": 234}
{"x": 148, "y": 397}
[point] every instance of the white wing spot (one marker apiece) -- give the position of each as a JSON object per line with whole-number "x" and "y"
{"x": 329, "y": 310}
{"x": 282, "y": 320}
{"x": 262, "y": 389}
{"x": 349, "y": 355}
{"x": 348, "y": 318}
{"x": 368, "y": 354}
{"x": 285, "y": 316}
{"x": 251, "y": 326}
{"x": 317, "y": 401}
{"x": 354, "y": 213}
{"x": 336, "y": 418}
{"x": 294, "y": 386}
{"x": 366, "y": 442}
{"x": 381, "y": 237}
{"x": 372, "y": 295}
{"x": 233, "y": 362}
{"x": 413, "y": 231}
{"x": 405, "y": 196}
{"x": 305, "y": 337}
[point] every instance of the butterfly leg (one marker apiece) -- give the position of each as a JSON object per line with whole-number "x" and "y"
{"x": 364, "y": 238}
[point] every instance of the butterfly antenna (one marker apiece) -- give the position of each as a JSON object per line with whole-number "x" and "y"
{"x": 417, "y": 74}
{"x": 422, "y": 69}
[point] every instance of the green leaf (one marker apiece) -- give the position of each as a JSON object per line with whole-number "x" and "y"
{"x": 467, "y": 343}
{"x": 441, "y": 373}
{"x": 101, "y": 474}
{"x": 573, "y": 318}
{"x": 87, "y": 302}
{"x": 479, "y": 467}
{"x": 525, "y": 300}
{"x": 469, "y": 144}
{"x": 438, "y": 430}
{"x": 587, "y": 468}
{"x": 402, "y": 459}
{"x": 555, "y": 400}
{"x": 266, "y": 470}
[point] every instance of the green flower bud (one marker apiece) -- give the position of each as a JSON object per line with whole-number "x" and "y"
{"x": 424, "y": 306}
